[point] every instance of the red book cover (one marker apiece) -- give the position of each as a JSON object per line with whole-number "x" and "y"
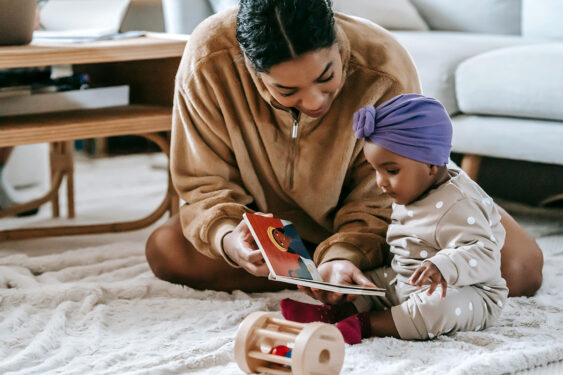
{"x": 285, "y": 251}
{"x": 287, "y": 258}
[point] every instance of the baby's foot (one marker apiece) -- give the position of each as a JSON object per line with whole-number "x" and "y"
{"x": 355, "y": 328}
{"x": 307, "y": 312}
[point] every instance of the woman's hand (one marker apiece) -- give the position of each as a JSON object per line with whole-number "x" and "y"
{"x": 428, "y": 272}
{"x": 240, "y": 247}
{"x": 337, "y": 272}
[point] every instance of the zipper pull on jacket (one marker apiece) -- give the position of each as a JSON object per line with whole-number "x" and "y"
{"x": 294, "y": 129}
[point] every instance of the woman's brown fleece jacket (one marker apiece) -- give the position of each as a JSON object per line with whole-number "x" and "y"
{"x": 232, "y": 144}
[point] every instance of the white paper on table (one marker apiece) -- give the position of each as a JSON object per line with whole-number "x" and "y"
{"x": 82, "y": 36}
{"x": 91, "y": 16}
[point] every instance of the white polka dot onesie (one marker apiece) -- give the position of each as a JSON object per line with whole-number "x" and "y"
{"x": 457, "y": 227}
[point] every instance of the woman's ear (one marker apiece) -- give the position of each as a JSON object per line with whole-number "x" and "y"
{"x": 433, "y": 170}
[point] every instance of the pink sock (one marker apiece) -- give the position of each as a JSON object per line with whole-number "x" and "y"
{"x": 306, "y": 312}
{"x": 354, "y": 328}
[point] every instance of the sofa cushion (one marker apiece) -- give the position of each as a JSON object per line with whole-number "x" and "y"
{"x": 510, "y": 138}
{"x": 542, "y": 18}
{"x": 392, "y": 15}
{"x": 437, "y": 54}
{"x": 483, "y": 16}
{"x": 525, "y": 81}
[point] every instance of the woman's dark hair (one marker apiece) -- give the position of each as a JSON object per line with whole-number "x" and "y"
{"x": 274, "y": 31}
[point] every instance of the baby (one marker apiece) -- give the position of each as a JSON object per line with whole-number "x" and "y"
{"x": 445, "y": 231}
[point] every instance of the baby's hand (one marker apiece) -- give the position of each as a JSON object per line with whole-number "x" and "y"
{"x": 429, "y": 272}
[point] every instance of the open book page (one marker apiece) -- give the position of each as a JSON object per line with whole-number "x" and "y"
{"x": 287, "y": 258}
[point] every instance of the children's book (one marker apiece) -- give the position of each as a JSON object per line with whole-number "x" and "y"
{"x": 287, "y": 258}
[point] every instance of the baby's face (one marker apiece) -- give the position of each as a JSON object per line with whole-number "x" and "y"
{"x": 403, "y": 179}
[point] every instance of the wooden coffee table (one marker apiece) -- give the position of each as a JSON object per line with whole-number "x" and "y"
{"x": 148, "y": 65}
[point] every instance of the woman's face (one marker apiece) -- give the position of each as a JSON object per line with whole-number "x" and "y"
{"x": 307, "y": 83}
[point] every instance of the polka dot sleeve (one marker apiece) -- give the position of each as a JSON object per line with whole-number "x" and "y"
{"x": 470, "y": 237}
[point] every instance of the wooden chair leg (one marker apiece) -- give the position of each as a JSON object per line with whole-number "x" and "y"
{"x": 62, "y": 164}
{"x": 100, "y": 147}
{"x": 61, "y": 159}
{"x": 470, "y": 164}
{"x": 55, "y": 166}
{"x": 69, "y": 167}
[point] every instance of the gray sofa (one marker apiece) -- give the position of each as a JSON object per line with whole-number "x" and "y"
{"x": 496, "y": 65}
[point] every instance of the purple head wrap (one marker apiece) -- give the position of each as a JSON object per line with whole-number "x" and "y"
{"x": 411, "y": 125}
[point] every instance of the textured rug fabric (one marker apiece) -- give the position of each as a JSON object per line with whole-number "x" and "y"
{"x": 91, "y": 305}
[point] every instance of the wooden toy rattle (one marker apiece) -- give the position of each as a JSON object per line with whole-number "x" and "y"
{"x": 268, "y": 344}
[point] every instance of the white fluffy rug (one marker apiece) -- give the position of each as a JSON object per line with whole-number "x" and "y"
{"x": 91, "y": 305}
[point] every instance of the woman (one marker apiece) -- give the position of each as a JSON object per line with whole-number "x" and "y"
{"x": 265, "y": 96}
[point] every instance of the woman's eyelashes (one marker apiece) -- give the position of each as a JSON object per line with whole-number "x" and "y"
{"x": 323, "y": 80}
{"x": 288, "y": 94}
{"x": 392, "y": 171}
